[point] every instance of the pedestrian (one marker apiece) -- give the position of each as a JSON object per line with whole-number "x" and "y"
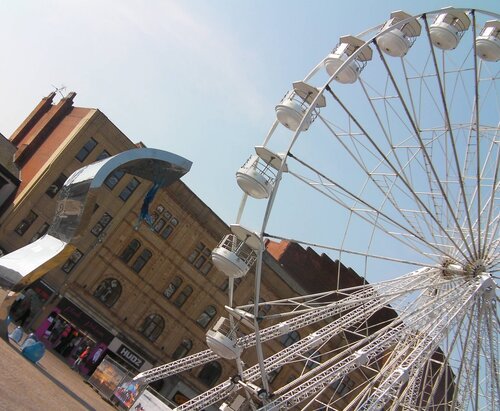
{"x": 80, "y": 358}
{"x": 24, "y": 317}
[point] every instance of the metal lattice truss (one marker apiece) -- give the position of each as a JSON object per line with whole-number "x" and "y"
{"x": 412, "y": 338}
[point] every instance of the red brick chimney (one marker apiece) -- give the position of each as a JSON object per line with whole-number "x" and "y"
{"x": 38, "y": 126}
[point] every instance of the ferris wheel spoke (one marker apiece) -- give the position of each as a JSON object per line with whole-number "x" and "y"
{"x": 380, "y": 180}
{"x": 462, "y": 192}
{"x": 444, "y": 370}
{"x": 493, "y": 357}
{"x": 413, "y": 126}
{"x": 491, "y": 209}
{"x": 429, "y": 341}
{"x": 358, "y": 253}
{"x": 462, "y": 393}
{"x": 406, "y": 184}
{"x": 433, "y": 175}
{"x": 313, "y": 384}
{"x": 324, "y": 188}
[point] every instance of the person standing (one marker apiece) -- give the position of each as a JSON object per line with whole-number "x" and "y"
{"x": 80, "y": 358}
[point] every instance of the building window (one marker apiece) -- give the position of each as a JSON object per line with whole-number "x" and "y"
{"x": 152, "y": 327}
{"x": 290, "y": 338}
{"x": 183, "y": 348}
{"x": 108, "y": 291}
{"x": 41, "y": 232}
{"x": 225, "y": 285}
{"x": 206, "y": 267}
{"x": 159, "y": 224}
{"x": 72, "y": 261}
{"x": 271, "y": 376}
{"x": 342, "y": 386}
{"x": 85, "y": 150}
{"x": 206, "y": 316}
{"x": 210, "y": 373}
{"x": 56, "y": 186}
{"x": 129, "y": 189}
{"x": 313, "y": 359}
{"x": 263, "y": 309}
{"x": 104, "y": 154}
{"x": 101, "y": 224}
{"x": 130, "y": 250}
{"x": 172, "y": 287}
{"x": 183, "y": 296}
{"x": 141, "y": 261}
{"x": 113, "y": 179}
{"x": 163, "y": 222}
{"x": 23, "y": 226}
{"x": 167, "y": 231}
{"x": 199, "y": 258}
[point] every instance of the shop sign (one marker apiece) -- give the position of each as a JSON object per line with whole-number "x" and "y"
{"x": 84, "y": 321}
{"x": 131, "y": 357}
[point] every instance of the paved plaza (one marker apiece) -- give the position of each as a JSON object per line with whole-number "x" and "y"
{"x": 48, "y": 385}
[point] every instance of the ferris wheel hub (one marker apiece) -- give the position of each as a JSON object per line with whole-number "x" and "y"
{"x": 476, "y": 268}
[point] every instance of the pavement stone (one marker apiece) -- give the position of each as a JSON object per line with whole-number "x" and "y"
{"x": 48, "y": 385}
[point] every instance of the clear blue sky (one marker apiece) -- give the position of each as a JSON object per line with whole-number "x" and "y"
{"x": 198, "y": 78}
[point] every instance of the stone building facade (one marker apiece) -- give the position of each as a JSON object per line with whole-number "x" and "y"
{"x": 145, "y": 294}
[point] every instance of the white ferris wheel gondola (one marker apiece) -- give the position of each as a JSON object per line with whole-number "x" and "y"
{"x": 257, "y": 176}
{"x": 292, "y": 109}
{"x": 350, "y": 72}
{"x": 236, "y": 252}
{"x": 397, "y": 41}
{"x": 488, "y": 41}
{"x": 448, "y": 28}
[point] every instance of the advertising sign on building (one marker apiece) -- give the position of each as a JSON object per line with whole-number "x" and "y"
{"x": 127, "y": 354}
{"x": 107, "y": 377}
{"x": 83, "y": 321}
{"x": 149, "y": 402}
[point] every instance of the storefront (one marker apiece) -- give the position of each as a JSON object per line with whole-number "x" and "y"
{"x": 30, "y": 302}
{"x": 68, "y": 331}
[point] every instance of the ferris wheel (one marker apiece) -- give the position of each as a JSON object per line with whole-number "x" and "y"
{"x": 386, "y": 158}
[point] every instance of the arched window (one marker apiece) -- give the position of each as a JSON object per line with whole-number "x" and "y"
{"x": 288, "y": 339}
{"x": 152, "y": 327}
{"x": 182, "y": 349}
{"x": 183, "y": 296}
{"x": 141, "y": 261}
{"x": 172, "y": 287}
{"x": 130, "y": 250}
{"x": 206, "y": 316}
{"x": 108, "y": 291}
{"x": 210, "y": 373}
